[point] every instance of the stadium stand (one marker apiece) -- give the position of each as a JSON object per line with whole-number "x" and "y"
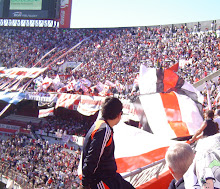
{"x": 105, "y": 54}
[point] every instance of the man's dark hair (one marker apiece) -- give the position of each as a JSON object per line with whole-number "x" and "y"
{"x": 210, "y": 114}
{"x": 111, "y": 108}
{"x": 218, "y": 112}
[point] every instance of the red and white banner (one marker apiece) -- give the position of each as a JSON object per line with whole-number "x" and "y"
{"x": 69, "y": 101}
{"x": 56, "y": 83}
{"x": 20, "y": 73}
{"x": 171, "y": 115}
{"x": 89, "y": 105}
{"x": 46, "y": 83}
{"x": 9, "y": 128}
{"x": 65, "y": 13}
{"x": 46, "y": 112}
{"x": 71, "y": 85}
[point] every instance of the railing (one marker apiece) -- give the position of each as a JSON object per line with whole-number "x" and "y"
{"x": 146, "y": 173}
{"x": 33, "y": 134}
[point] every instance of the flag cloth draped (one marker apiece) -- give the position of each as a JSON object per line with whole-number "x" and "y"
{"x": 89, "y": 105}
{"x": 172, "y": 105}
{"x": 171, "y": 115}
{"x": 135, "y": 148}
{"x": 152, "y": 80}
{"x": 69, "y": 101}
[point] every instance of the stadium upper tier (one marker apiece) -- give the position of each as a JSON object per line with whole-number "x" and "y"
{"x": 111, "y": 54}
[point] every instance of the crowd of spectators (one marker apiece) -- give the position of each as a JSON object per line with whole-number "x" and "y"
{"x": 211, "y": 91}
{"x": 74, "y": 124}
{"x": 43, "y": 165}
{"x": 112, "y": 54}
{"x": 104, "y": 54}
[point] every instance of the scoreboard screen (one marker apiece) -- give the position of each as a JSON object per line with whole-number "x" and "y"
{"x": 25, "y": 5}
{"x": 1, "y": 8}
{"x": 30, "y": 9}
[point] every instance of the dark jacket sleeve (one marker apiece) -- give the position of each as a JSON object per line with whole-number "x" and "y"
{"x": 94, "y": 153}
{"x": 172, "y": 184}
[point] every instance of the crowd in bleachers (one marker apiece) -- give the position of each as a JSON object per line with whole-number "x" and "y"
{"x": 43, "y": 165}
{"x": 75, "y": 124}
{"x": 105, "y": 54}
{"x": 113, "y": 54}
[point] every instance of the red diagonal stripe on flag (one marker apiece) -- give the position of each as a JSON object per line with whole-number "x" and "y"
{"x": 174, "y": 117}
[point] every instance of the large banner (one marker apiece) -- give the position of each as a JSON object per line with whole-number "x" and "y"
{"x": 21, "y": 73}
{"x": 171, "y": 115}
{"x": 9, "y": 128}
{"x": 69, "y": 101}
{"x": 136, "y": 148}
{"x": 41, "y": 97}
{"x": 89, "y": 105}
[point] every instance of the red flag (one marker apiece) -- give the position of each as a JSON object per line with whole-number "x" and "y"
{"x": 174, "y": 68}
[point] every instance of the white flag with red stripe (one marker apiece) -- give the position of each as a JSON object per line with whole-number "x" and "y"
{"x": 56, "y": 83}
{"x": 89, "y": 105}
{"x": 171, "y": 115}
{"x": 46, "y": 112}
{"x": 69, "y": 101}
{"x": 45, "y": 84}
{"x": 71, "y": 85}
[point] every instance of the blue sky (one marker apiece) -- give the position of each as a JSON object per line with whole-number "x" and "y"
{"x": 123, "y": 13}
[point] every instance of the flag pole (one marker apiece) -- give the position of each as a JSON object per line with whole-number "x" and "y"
{"x": 208, "y": 96}
{"x": 5, "y": 109}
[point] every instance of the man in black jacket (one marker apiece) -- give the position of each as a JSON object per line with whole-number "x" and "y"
{"x": 98, "y": 161}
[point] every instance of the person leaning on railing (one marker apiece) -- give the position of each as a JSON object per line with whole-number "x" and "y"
{"x": 208, "y": 128}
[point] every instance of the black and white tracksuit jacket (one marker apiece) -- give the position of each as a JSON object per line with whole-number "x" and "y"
{"x": 98, "y": 161}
